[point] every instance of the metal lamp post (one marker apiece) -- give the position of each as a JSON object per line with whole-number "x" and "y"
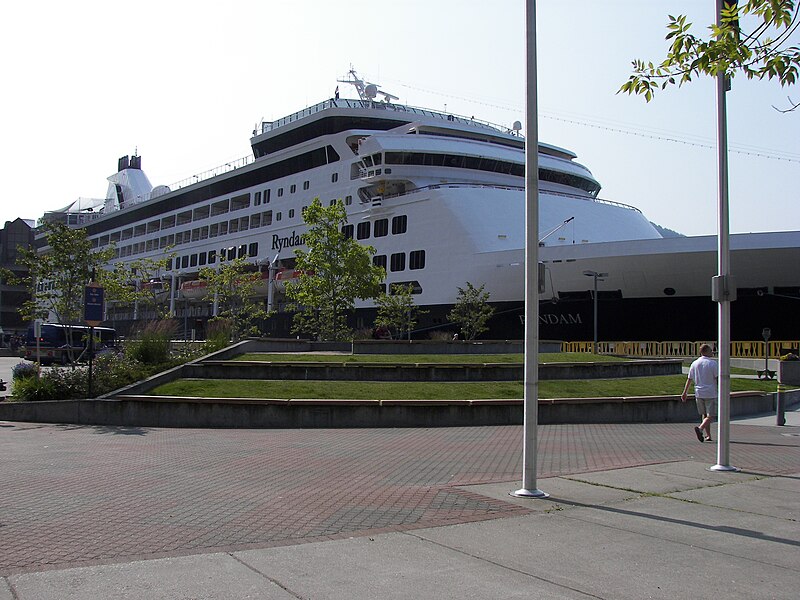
{"x": 595, "y": 275}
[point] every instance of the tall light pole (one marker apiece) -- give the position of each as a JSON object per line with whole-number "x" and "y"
{"x": 531, "y": 371}
{"x": 723, "y": 290}
{"x": 595, "y": 275}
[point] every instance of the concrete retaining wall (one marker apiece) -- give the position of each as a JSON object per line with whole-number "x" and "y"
{"x": 145, "y": 411}
{"x": 393, "y": 346}
{"x": 456, "y": 347}
{"x": 214, "y": 369}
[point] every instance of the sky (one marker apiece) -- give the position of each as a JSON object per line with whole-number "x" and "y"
{"x": 184, "y": 83}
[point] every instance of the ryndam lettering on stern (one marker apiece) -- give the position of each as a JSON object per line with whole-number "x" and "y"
{"x": 289, "y": 241}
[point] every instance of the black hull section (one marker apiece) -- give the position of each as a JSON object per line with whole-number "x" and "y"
{"x": 655, "y": 319}
{"x": 647, "y": 319}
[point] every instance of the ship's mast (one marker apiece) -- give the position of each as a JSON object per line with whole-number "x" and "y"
{"x": 366, "y": 91}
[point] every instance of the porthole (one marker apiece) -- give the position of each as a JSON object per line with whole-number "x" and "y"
{"x": 669, "y": 291}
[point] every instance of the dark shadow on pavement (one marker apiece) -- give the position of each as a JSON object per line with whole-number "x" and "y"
{"x": 733, "y": 530}
{"x": 107, "y": 429}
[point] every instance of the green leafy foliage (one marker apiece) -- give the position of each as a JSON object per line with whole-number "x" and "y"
{"x": 68, "y": 383}
{"x": 337, "y": 271}
{"x": 762, "y": 53}
{"x": 233, "y": 285}
{"x": 57, "y": 276}
{"x": 131, "y": 284}
{"x": 33, "y": 389}
{"x": 63, "y": 269}
{"x": 472, "y": 311}
{"x": 397, "y": 311}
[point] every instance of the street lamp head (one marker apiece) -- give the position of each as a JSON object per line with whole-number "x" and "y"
{"x": 590, "y": 273}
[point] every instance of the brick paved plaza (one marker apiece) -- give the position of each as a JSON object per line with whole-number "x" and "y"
{"x": 81, "y": 495}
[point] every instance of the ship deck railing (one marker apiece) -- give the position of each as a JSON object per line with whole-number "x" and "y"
{"x": 520, "y": 188}
{"x": 267, "y": 126}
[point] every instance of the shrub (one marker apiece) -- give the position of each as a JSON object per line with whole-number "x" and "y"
{"x": 364, "y": 333}
{"x": 109, "y": 373}
{"x": 218, "y": 335}
{"x": 113, "y": 372}
{"x": 153, "y": 344}
{"x": 441, "y": 336}
{"x": 24, "y": 370}
{"x": 35, "y": 389}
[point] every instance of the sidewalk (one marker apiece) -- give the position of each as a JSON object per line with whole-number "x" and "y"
{"x": 634, "y": 512}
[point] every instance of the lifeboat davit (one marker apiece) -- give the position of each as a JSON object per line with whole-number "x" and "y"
{"x": 158, "y": 288}
{"x": 261, "y": 286}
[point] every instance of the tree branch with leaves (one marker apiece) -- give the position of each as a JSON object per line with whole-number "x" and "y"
{"x": 765, "y": 52}
{"x": 57, "y": 276}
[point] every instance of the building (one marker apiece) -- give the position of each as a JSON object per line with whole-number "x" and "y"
{"x": 15, "y": 234}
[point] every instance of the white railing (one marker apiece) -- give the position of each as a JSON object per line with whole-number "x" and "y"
{"x": 267, "y": 126}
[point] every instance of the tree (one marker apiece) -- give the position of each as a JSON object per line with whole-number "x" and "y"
{"x": 397, "y": 310}
{"x": 472, "y": 311}
{"x": 233, "y": 286}
{"x": 759, "y": 54}
{"x": 139, "y": 283}
{"x": 337, "y": 271}
{"x": 57, "y": 277}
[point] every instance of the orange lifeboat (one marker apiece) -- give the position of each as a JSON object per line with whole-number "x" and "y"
{"x": 195, "y": 289}
{"x": 285, "y": 276}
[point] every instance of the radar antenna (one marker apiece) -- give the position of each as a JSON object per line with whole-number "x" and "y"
{"x": 366, "y": 91}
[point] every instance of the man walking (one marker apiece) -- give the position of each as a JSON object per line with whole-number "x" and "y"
{"x": 704, "y": 374}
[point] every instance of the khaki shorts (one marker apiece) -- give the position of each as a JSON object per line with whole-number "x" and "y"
{"x": 706, "y": 406}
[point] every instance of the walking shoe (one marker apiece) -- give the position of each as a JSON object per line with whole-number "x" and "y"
{"x": 699, "y": 433}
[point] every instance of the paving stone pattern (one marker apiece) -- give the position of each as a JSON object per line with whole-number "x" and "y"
{"x": 80, "y": 495}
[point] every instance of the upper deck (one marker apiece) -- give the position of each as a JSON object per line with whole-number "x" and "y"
{"x": 337, "y": 115}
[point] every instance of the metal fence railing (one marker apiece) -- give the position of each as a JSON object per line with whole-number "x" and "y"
{"x": 747, "y": 349}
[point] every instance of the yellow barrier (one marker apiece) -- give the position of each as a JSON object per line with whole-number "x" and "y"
{"x": 682, "y": 349}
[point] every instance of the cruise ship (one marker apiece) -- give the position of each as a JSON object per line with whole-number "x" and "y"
{"x": 441, "y": 198}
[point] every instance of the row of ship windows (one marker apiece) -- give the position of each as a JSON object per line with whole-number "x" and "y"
{"x": 399, "y": 225}
{"x": 201, "y": 259}
{"x": 379, "y": 229}
{"x": 215, "y": 209}
{"x": 395, "y": 262}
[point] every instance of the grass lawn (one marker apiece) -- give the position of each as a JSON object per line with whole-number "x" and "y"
{"x": 360, "y": 390}
{"x": 425, "y": 358}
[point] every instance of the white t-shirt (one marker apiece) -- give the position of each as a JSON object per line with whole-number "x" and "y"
{"x": 704, "y": 373}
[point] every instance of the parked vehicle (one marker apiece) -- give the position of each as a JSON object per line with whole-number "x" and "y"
{"x": 64, "y": 344}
